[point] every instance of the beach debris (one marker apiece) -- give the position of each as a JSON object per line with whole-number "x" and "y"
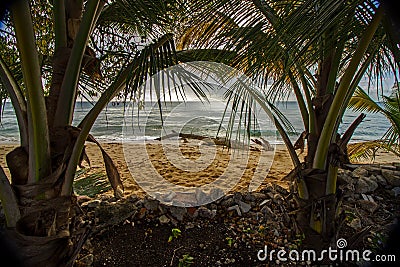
{"x": 264, "y": 143}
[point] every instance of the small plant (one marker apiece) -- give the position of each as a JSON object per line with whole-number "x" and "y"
{"x": 175, "y": 233}
{"x": 299, "y": 240}
{"x": 185, "y": 261}
{"x": 230, "y": 241}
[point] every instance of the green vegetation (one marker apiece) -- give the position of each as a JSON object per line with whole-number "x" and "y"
{"x": 390, "y": 108}
{"x": 175, "y": 233}
{"x": 186, "y": 261}
{"x": 53, "y": 52}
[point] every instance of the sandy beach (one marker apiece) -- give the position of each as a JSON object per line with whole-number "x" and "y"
{"x": 157, "y": 166}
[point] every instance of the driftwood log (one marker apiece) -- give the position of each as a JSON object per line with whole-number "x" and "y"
{"x": 217, "y": 141}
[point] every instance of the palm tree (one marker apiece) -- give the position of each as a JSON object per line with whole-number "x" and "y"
{"x": 390, "y": 108}
{"x": 317, "y": 49}
{"x": 50, "y": 53}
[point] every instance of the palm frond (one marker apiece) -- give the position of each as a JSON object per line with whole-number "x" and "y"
{"x": 362, "y": 102}
{"x": 367, "y": 150}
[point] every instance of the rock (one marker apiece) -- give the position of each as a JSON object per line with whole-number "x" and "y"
{"x": 389, "y": 167}
{"x": 151, "y": 204}
{"x": 368, "y": 205}
{"x": 249, "y": 197}
{"x": 203, "y": 212}
{"x": 162, "y": 208}
{"x": 373, "y": 178}
{"x": 178, "y": 212}
{"x": 237, "y": 196}
{"x": 114, "y": 213}
{"x": 395, "y": 191}
{"x": 244, "y": 206}
{"x": 163, "y": 219}
{"x": 192, "y": 212}
{"x": 365, "y": 185}
{"x": 228, "y": 201}
{"x": 344, "y": 178}
{"x": 235, "y": 207}
{"x": 373, "y": 169}
{"x": 381, "y": 180}
{"x": 392, "y": 177}
{"x": 360, "y": 172}
{"x": 259, "y": 196}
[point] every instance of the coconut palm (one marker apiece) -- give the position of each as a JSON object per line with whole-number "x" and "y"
{"x": 50, "y": 54}
{"x": 390, "y": 108}
{"x": 319, "y": 50}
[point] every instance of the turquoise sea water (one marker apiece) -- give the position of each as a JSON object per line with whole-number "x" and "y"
{"x": 190, "y": 117}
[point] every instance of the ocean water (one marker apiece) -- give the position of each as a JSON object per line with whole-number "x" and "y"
{"x": 122, "y": 123}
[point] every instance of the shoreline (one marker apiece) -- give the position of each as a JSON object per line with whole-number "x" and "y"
{"x": 151, "y": 167}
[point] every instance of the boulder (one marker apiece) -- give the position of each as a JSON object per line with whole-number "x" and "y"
{"x": 344, "y": 178}
{"x": 365, "y": 185}
{"x": 381, "y": 180}
{"x": 360, "y": 172}
{"x": 392, "y": 177}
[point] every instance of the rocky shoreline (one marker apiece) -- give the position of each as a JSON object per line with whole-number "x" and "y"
{"x": 371, "y": 204}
